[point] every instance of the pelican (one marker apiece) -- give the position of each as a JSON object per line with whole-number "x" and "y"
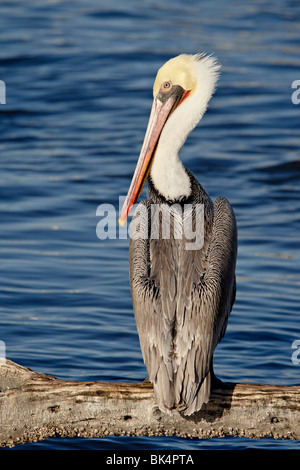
{"x": 182, "y": 297}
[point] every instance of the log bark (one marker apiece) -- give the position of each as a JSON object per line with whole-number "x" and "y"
{"x": 35, "y": 406}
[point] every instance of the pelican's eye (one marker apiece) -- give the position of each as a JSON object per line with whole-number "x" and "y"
{"x": 166, "y": 86}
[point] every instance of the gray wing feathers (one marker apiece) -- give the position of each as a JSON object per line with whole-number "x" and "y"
{"x": 182, "y": 300}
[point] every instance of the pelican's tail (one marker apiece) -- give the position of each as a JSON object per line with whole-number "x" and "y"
{"x": 165, "y": 395}
{"x": 201, "y": 397}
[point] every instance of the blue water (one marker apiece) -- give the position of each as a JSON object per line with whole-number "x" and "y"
{"x": 79, "y": 81}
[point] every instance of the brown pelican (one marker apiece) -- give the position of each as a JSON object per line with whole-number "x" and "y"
{"x": 182, "y": 297}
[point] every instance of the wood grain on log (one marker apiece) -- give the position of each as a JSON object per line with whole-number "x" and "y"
{"x": 35, "y": 406}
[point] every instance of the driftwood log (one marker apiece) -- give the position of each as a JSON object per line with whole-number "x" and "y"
{"x": 35, "y": 406}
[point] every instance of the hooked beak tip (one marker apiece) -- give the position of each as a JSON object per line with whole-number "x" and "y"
{"x": 121, "y": 221}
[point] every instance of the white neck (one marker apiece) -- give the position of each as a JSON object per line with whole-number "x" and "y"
{"x": 167, "y": 172}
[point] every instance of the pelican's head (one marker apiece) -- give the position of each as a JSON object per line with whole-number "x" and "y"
{"x": 177, "y": 72}
{"x": 181, "y": 92}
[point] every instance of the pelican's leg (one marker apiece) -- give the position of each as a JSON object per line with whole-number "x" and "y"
{"x": 215, "y": 382}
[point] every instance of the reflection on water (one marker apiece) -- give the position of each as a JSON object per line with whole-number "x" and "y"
{"x": 79, "y": 89}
